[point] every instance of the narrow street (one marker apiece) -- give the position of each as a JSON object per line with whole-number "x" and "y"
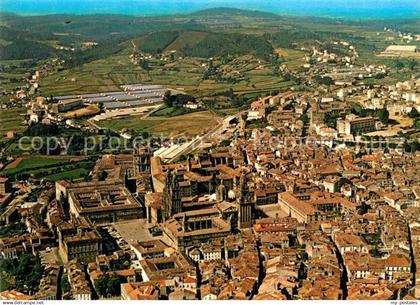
{"x": 413, "y": 264}
{"x": 59, "y": 288}
{"x": 343, "y": 275}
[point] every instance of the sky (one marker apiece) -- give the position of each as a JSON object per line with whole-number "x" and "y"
{"x": 329, "y": 8}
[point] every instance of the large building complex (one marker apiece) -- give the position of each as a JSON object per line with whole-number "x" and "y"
{"x": 102, "y": 201}
{"x": 354, "y": 126}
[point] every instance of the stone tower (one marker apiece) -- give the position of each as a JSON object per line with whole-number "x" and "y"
{"x": 171, "y": 196}
{"x": 142, "y": 159}
{"x": 221, "y": 192}
{"x": 245, "y": 204}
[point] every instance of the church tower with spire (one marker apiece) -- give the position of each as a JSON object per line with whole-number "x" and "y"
{"x": 171, "y": 196}
{"x": 244, "y": 200}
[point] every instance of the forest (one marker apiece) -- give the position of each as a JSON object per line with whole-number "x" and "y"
{"x": 24, "y": 49}
{"x": 156, "y": 42}
{"x": 217, "y": 44}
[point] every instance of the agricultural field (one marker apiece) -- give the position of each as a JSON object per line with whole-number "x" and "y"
{"x": 185, "y": 73}
{"x": 12, "y": 72}
{"x": 96, "y": 76}
{"x": 70, "y": 174}
{"x": 11, "y": 119}
{"x": 189, "y": 125}
{"x": 32, "y": 162}
{"x": 49, "y": 167}
{"x": 86, "y": 111}
{"x": 164, "y": 111}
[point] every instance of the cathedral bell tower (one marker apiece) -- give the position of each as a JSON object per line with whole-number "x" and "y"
{"x": 221, "y": 192}
{"x": 171, "y": 196}
{"x": 244, "y": 201}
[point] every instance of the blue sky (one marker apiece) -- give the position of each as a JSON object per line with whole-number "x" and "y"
{"x": 332, "y": 8}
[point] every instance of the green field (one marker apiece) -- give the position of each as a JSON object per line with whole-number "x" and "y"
{"x": 186, "y": 73}
{"x": 11, "y": 119}
{"x": 256, "y": 76}
{"x": 191, "y": 124}
{"x": 12, "y": 72}
{"x": 34, "y": 162}
{"x": 71, "y": 174}
{"x": 163, "y": 111}
{"x": 49, "y": 167}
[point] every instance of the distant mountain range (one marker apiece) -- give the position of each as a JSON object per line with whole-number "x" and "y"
{"x": 354, "y": 9}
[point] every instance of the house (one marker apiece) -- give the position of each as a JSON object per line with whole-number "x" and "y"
{"x": 5, "y": 185}
{"x": 398, "y": 200}
{"x": 126, "y": 275}
{"x": 193, "y": 105}
{"x": 140, "y": 291}
{"x": 182, "y": 294}
{"x": 397, "y": 263}
{"x": 11, "y": 134}
{"x": 80, "y": 289}
{"x": 363, "y": 266}
{"x": 14, "y": 295}
{"x": 208, "y": 293}
{"x": 149, "y": 249}
{"x": 211, "y": 252}
{"x": 299, "y": 209}
{"x": 348, "y": 242}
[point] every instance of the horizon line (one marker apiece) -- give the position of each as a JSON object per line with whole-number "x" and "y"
{"x": 274, "y": 14}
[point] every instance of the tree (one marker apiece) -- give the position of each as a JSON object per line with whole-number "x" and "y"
{"x": 383, "y": 115}
{"x": 4, "y": 284}
{"x": 7, "y": 265}
{"x": 27, "y": 272}
{"x": 144, "y": 64}
{"x": 108, "y": 285}
{"x": 40, "y": 130}
{"x": 167, "y": 98}
{"x": 413, "y": 113}
{"x": 324, "y": 80}
{"x": 24, "y": 265}
{"x": 177, "y": 100}
{"x": 114, "y": 285}
{"x": 145, "y": 135}
{"x": 399, "y": 64}
{"x": 412, "y": 64}
{"x": 65, "y": 285}
{"x": 102, "y": 284}
{"x": 412, "y": 147}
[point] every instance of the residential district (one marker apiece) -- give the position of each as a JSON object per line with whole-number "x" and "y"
{"x": 301, "y": 196}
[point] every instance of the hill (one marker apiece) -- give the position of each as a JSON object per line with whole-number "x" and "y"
{"x": 187, "y": 38}
{"x": 232, "y": 12}
{"x": 156, "y": 42}
{"x": 24, "y": 49}
{"x": 205, "y": 44}
{"x": 218, "y": 44}
{"x": 98, "y": 27}
{"x": 11, "y": 34}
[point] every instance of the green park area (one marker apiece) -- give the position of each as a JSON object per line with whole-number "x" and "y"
{"x": 49, "y": 167}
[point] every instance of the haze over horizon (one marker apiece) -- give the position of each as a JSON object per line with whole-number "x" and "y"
{"x": 357, "y": 9}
